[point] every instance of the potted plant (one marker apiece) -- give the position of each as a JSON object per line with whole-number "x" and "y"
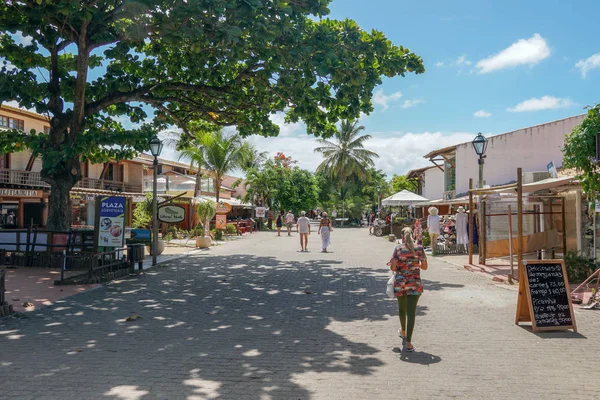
{"x": 205, "y": 210}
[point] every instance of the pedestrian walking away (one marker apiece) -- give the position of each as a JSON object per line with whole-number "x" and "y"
{"x": 325, "y": 230}
{"x": 303, "y": 227}
{"x": 279, "y": 223}
{"x": 407, "y": 262}
{"x": 371, "y": 222}
{"x": 289, "y": 221}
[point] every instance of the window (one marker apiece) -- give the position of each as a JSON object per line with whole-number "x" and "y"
{"x": 449, "y": 175}
{"x": 46, "y": 130}
{"x": 11, "y": 123}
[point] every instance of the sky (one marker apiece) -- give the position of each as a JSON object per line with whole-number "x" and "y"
{"x": 492, "y": 66}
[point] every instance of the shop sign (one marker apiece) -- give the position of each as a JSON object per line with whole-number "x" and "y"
{"x": 171, "y": 214}
{"x": 20, "y": 193}
{"x": 223, "y": 208}
{"x": 260, "y": 212}
{"x": 110, "y": 230}
{"x": 221, "y": 221}
{"x": 334, "y": 213}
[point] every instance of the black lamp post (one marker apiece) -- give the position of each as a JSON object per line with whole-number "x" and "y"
{"x": 378, "y": 198}
{"x": 480, "y": 146}
{"x": 156, "y": 146}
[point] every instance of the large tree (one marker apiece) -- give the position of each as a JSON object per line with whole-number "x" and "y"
{"x": 345, "y": 157}
{"x": 229, "y": 62}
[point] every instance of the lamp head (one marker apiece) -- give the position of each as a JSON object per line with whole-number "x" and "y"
{"x": 480, "y": 144}
{"x": 156, "y": 146}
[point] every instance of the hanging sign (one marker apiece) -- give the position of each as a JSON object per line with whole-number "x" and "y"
{"x": 260, "y": 212}
{"x": 110, "y": 228}
{"x": 544, "y": 296}
{"x": 334, "y": 213}
{"x": 223, "y": 208}
{"x": 171, "y": 214}
{"x": 221, "y": 221}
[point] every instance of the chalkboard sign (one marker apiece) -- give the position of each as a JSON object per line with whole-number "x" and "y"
{"x": 544, "y": 296}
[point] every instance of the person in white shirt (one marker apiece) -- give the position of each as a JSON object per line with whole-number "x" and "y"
{"x": 289, "y": 221}
{"x": 303, "y": 227}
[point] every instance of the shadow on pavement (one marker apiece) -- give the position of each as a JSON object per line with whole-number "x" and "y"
{"x": 237, "y": 326}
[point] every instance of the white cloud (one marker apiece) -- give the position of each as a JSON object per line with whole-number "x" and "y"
{"x": 383, "y": 100}
{"x": 398, "y": 153}
{"x": 284, "y": 128}
{"x": 522, "y": 52}
{"x": 542, "y": 103}
{"x": 482, "y": 114}
{"x": 588, "y": 64}
{"x": 462, "y": 60}
{"x": 411, "y": 103}
{"x": 439, "y": 64}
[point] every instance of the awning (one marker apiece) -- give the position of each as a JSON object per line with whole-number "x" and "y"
{"x": 545, "y": 184}
{"x": 403, "y": 198}
{"x": 97, "y": 192}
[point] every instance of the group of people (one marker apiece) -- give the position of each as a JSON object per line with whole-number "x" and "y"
{"x": 303, "y": 228}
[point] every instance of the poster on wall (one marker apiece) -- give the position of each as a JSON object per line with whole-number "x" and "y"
{"x": 221, "y": 221}
{"x": 260, "y": 212}
{"x": 110, "y": 229}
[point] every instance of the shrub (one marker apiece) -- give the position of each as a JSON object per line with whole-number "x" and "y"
{"x": 578, "y": 266}
{"x": 230, "y": 229}
{"x": 426, "y": 239}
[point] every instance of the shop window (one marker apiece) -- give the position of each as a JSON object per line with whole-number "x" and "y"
{"x": 11, "y": 123}
{"x": 449, "y": 175}
{"x": 9, "y": 215}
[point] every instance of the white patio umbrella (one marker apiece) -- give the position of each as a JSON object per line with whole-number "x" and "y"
{"x": 403, "y": 198}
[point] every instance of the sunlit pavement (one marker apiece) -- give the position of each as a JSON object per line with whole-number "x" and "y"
{"x": 257, "y": 319}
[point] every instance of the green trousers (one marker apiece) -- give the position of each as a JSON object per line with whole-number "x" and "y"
{"x": 407, "y": 309}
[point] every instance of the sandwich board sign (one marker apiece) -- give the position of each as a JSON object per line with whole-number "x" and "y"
{"x": 544, "y": 298}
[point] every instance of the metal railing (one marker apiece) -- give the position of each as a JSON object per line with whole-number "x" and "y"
{"x": 93, "y": 266}
{"x": 29, "y": 178}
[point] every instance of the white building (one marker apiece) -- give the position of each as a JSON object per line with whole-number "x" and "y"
{"x": 530, "y": 148}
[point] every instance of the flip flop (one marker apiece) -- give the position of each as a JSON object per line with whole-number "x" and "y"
{"x": 400, "y": 334}
{"x": 409, "y": 350}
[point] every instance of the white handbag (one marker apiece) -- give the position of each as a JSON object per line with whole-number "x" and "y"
{"x": 390, "y": 286}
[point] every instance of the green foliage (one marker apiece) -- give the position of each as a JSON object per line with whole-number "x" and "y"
{"x": 205, "y": 210}
{"x": 578, "y": 266}
{"x": 230, "y": 229}
{"x": 219, "y": 62}
{"x": 426, "y": 239}
{"x": 217, "y": 234}
{"x": 399, "y": 183}
{"x": 346, "y": 156}
{"x": 579, "y": 152}
{"x": 142, "y": 214}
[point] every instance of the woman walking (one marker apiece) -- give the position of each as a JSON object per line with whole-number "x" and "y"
{"x": 325, "y": 230}
{"x": 279, "y": 222}
{"x": 407, "y": 262}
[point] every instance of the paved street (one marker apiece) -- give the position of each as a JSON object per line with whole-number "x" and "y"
{"x": 256, "y": 319}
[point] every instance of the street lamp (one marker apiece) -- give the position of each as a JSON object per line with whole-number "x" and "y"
{"x": 156, "y": 146}
{"x": 480, "y": 146}
{"x": 378, "y": 198}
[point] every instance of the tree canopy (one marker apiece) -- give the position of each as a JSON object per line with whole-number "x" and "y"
{"x": 580, "y": 152}
{"x": 87, "y": 64}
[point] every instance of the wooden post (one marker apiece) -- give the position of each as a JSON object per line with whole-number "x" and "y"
{"x": 510, "y": 246}
{"x": 519, "y": 219}
{"x": 471, "y": 220}
{"x": 564, "y": 226}
{"x": 483, "y": 230}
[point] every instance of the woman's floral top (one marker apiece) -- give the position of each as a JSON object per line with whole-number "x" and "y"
{"x": 408, "y": 273}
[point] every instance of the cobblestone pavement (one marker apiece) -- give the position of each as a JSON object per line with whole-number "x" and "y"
{"x": 256, "y": 319}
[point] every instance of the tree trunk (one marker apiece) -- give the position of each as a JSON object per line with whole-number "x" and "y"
{"x": 59, "y": 205}
{"x": 198, "y": 186}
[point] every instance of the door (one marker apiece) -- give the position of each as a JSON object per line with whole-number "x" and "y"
{"x": 33, "y": 214}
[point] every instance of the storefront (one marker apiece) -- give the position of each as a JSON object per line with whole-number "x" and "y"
{"x": 22, "y": 208}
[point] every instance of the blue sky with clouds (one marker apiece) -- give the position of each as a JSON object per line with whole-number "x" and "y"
{"x": 491, "y": 66}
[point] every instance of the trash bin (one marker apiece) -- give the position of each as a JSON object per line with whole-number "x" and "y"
{"x": 135, "y": 254}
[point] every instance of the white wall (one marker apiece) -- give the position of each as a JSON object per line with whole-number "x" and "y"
{"x": 530, "y": 148}
{"x": 433, "y": 186}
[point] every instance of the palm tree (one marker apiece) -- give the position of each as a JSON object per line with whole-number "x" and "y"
{"x": 196, "y": 156}
{"x": 346, "y": 156}
{"x": 222, "y": 154}
{"x": 259, "y": 185}
{"x": 251, "y": 157}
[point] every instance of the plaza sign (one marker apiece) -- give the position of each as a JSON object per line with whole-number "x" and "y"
{"x": 171, "y": 214}
{"x": 110, "y": 221}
